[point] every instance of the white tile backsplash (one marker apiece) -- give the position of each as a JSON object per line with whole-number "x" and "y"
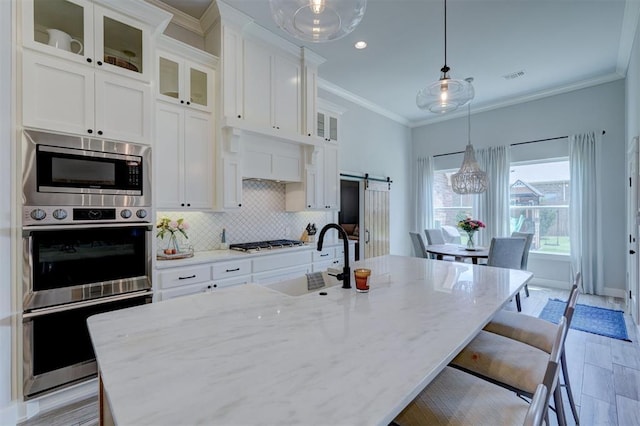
{"x": 261, "y": 217}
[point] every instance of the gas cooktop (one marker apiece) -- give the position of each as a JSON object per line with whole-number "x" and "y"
{"x": 265, "y": 245}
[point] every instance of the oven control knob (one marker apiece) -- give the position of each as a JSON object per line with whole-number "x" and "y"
{"x": 125, "y": 214}
{"x": 141, "y": 213}
{"x": 60, "y": 214}
{"x": 38, "y": 214}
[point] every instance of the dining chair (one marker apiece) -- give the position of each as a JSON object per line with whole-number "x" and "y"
{"x": 434, "y": 236}
{"x": 418, "y": 245}
{"x": 455, "y": 397}
{"x": 538, "y": 333}
{"x": 525, "y": 256}
{"x": 514, "y": 365}
{"x": 451, "y": 234}
{"x": 506, "y": 252}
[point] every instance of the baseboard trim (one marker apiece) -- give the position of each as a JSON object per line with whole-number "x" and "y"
{"x": 565, "y": 285}
{"x": 58, "y": 399}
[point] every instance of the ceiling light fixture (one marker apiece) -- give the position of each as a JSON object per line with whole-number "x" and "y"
{"x": 470, "y": 179}
{"x": 318, "y": 20}
{"x": 360, "y": 45}
{"x": 446, "y": 94}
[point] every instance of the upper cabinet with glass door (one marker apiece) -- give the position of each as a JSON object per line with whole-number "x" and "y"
{"x": 87, "y": 33}
{"x": 184, "y": 82}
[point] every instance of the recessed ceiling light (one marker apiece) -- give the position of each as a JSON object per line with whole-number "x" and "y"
{"x": 361, "y": 45}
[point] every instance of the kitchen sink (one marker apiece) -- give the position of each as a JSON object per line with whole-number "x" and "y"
{"x": 298, "y": 286}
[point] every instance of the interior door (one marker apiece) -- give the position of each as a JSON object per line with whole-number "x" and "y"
{"x": 633, "y": 230}
{"x": 376, "y": 218}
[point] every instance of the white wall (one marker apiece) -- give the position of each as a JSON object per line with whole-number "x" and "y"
{"x": 633, "y": 91}
{"x": 371, "y": 143}
{"x": 600, "y": 107}
{"x": 7, "y": 412}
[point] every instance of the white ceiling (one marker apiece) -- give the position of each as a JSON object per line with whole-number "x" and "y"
{"x": 559, "y": 45}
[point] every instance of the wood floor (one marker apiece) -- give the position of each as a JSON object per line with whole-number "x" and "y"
{"x": 604, "y": 373}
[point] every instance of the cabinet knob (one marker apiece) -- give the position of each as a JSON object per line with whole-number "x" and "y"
{"x": 309, "y": 134}
{"x": 239, "y": 205}
{"x": 89, "y": 60}
{"x": 188, "y": 103}
{"x": 188, "y": 204}
{"x": 215, "y": 285}
{"x": 182, "y": 205}
{"x": 99, "y": 132}
{"x": 99, "y": 62}
{"x": 89, "y": 131}
{"x": 181, "y": 102}
{"x": 239, "y": 116}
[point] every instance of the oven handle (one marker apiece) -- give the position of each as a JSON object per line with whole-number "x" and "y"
{"x": 27, "y": 230}
{"x": 92, "y": 302}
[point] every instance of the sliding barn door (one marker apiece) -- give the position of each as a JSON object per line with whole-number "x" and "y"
{"x": 376, "y": 218}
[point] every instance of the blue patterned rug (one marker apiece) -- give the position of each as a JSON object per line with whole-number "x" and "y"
{"x": 605, "y": 322}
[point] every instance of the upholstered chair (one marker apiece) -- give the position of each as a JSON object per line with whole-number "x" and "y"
{"x": 507, "y": 252}
{"x": 434, "y": 236}
{"x": 525, "y": 256}
{"x": 418, "y": 245}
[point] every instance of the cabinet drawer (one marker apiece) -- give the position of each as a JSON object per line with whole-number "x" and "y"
{"x": 325, "y": 254}
{"x": 267, "y": 263}
{"x": 281, "y": 274}
{"x": 184, "y": 276}
{"x": 245, "y": 279}
{"x": 185, "y": 291}
{"x": 231, "y": 269}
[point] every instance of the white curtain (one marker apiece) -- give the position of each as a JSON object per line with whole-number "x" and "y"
{"x": 584, "y": 235}
{"x": 424, "y": 194}
{"x": 492, "y": 207}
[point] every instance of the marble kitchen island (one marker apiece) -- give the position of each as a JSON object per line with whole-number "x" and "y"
{"x": 250, "y": 355}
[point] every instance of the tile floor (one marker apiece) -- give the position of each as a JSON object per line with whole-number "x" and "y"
{"x": 604, "y": 373}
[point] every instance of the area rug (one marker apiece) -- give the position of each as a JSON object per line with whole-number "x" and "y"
{"x": 605, "y": 322}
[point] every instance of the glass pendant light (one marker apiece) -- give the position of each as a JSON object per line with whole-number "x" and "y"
{"x": 318, "y": 20}
{"x": 470, "y": 179}
{"x": 446, "y": 94}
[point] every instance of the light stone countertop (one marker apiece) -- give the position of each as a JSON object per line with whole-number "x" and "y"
{"x": 224, "y": 255}
{"x": 249, "y": 355}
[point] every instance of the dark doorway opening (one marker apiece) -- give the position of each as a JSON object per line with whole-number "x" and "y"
{"x": 349, "y": 214}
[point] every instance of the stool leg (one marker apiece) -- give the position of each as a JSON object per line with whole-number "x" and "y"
{"x": 518, "y": 305}
{"x": 526, "y": 290}
{"x": 565, "y": 375}
{"x": 557, "y": 401}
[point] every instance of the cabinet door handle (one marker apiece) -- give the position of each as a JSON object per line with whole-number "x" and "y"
{"x": 233, "y": 270}
{"x": 632, "y": 252}
{"x": 239, "y": 116}
{"x": 187, "y": 278}
{"x": 89, "y": 60}
{"x": 188, "y": 103}
{"x": 99, "y": 62}
{"x": 367, "y": 241}
{"x": 324, "y": 255}
{"x": 181, "y": 102}
{"x": 99, "y": 132}
{"x": 239, "y": 205}
{"x": 89, "y": 131}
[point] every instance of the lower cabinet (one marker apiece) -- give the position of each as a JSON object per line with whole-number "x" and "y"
{"x": 281, "y": 274}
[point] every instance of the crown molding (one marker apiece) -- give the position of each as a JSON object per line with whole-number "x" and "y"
{"x": 179, "y": 18}
{"x": 627, "y": 35}
{"x": 352, "y": 97}
{"x": 177, "y": 47}
{"x": 522, "y": 99}
{"x": 210, "y": 17}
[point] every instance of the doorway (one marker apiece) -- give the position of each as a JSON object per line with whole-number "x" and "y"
{"x": 633, "y": 263}
{"x": 349, "y": 215}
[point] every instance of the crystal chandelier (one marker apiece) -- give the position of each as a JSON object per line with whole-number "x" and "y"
{"x": 446, "y": 94}
{"x": 470, "y": 179}
{"x": 318, "y": 20}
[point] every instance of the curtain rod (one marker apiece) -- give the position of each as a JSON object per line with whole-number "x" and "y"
{"x": 514, "y": 144}
{"x": 367, "y": 177}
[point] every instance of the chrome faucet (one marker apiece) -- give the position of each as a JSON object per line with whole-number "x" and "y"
{"x": 345, "y": 276}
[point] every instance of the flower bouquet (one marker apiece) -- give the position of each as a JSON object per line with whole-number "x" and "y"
{"x": 167, "y": 226}
{"x": 470, "y": 226}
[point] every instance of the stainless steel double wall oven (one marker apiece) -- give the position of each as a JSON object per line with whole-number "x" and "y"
{"x": 86, "y": 248}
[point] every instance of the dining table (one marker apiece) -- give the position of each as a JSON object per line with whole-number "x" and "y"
{"x": 460, "y": 253}
{"x": 255, "y": 354}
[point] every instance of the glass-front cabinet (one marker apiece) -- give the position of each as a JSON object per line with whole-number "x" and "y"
{"x": 184, "y": 82}
{"x": 327, "y": 126}
{"x": 81, "y": 31}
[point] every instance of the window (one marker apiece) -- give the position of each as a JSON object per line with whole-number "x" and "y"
{"x": 448, "y": 207}
{"x": 540, "y": 198}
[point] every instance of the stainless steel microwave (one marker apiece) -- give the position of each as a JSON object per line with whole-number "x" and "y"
{"x": 63, "y": 170}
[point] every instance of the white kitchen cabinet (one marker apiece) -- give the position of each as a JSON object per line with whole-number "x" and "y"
{"x": 232, "y": 182}
{"x": 327, "y": 126}
{"x": 320, "y": 189}
{"x": 208, "y": 277}
{"x": 184, "y": 82}
{"x": 184, "y": 157}
{"x": 62, "y": 96}
{"x": 331, "y": 177}
{"x": 269, "y": 94}
{"x": 103, "y": 38}
{"x": 283, "y": 274}
{"x": 268, "y": 159}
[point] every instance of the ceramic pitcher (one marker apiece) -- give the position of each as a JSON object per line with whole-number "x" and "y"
{"x": 63, "y": 41}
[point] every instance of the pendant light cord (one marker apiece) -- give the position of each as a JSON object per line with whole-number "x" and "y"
{"x": 445, "y": 34}
{"x": 469, "y": 122}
